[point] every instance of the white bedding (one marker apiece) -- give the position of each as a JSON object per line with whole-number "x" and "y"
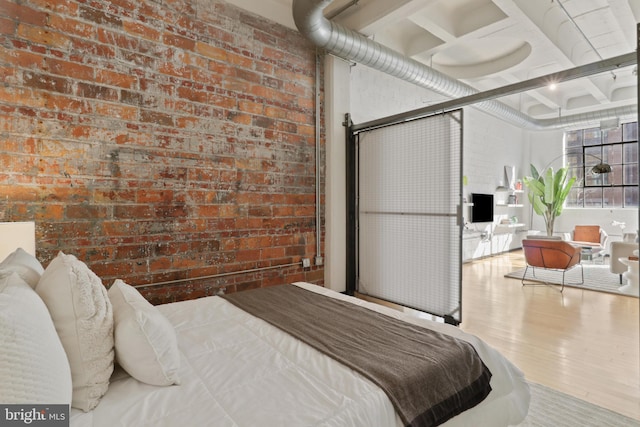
{"x": 239, "y": 371}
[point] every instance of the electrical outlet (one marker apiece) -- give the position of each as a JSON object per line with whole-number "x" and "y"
{"x": 319, "y": 260}
{"x": 306, "y": 262}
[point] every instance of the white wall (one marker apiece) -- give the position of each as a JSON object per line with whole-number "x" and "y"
{"x": 375, "y": 95}
{"x": 490, "y": 144}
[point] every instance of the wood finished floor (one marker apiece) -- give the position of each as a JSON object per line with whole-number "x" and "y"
{"x": 583, "y": 343}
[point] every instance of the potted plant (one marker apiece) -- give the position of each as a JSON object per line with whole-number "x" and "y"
{"x": 547, "y": 193}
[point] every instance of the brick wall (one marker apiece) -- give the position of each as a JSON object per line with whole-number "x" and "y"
{"x": 159, "y": 140}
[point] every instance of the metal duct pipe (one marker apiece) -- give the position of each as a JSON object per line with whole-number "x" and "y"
{"x": 352, "y": 46}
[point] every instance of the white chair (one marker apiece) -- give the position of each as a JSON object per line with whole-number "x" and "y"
{"x": 620, "y": 250}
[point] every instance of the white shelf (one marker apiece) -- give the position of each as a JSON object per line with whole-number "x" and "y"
{"x": 513, "y": 225}
{"x": 508, "y": 190}
{"x": 509, "y": 205}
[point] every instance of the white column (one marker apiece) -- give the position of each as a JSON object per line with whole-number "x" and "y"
{"x": 337, "y": 104}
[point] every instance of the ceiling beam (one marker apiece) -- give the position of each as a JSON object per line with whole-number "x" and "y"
{"x": 373, "y": 16}
{"x": 605, "y": 65}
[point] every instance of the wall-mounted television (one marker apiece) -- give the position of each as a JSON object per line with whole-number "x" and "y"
{"x": 482, "y": 208}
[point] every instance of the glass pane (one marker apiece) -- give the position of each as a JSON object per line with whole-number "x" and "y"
{"x": 630, "y": 174}
{"x": 612, "y": 197}
{"x": 575, "y": 197}
{"x": 617, "y": 147}
{"x": 630, "y": 131}
{"x": 614, "y": 177}
{"x": 592, "y": 179}
{"x": 612, "y": 135}
{"x": 612, "y": 154}
{"x": 573, "y": 158}
{"x": 630, "y": 197}
{"x": 573, "y": 139}
{"x": 592, "y": 137}
{"x": 578, "y": 173}
{"x": 630, "y": 153}
{"x": 592, "y": 155}
{"x": 593, "y": 197}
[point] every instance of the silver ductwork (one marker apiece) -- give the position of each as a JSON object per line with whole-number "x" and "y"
{"x": 352, "y": 46}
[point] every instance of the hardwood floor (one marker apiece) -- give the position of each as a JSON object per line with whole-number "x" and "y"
{"x": 583, "y": 343}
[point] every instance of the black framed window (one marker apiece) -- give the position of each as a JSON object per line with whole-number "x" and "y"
{"x": 585, "y": 148}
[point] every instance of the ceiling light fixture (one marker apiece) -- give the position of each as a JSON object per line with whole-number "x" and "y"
{"x": 601, "y": 168}
{"x": 598, "y": 169}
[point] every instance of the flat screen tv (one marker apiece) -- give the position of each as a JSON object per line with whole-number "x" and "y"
{"x": 482, "y": 208}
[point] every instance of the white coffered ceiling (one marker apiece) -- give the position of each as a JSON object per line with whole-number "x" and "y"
{"x": 492, "y": 43}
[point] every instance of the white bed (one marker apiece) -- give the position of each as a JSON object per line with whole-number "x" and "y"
{"x": 61, "y": 331}
{"x": 238, "y": 370}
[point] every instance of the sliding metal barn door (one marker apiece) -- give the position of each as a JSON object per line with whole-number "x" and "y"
{"x": 408, "y": 204}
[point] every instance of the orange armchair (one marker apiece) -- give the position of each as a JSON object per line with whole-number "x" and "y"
{"x": 591, "y": 236}
{"x": 551, "y": 255}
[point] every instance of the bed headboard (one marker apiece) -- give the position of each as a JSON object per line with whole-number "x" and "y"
{"x": 14, "y": 235}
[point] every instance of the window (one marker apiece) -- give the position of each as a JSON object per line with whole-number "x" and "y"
{"x": 618, "y": 147}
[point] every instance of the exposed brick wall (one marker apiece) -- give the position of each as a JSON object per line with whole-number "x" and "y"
{"x": 159, "y": 140}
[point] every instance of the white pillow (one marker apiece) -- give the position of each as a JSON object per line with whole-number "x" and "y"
{"x": 26, "y": 265}
{"x": 33, "y": 365}
{"x": 146, "y": 343}
{"x": 83, "y": 317}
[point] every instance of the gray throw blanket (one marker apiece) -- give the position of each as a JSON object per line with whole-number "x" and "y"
{"x": 428, "y": 376}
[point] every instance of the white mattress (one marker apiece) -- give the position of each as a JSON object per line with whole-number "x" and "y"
{"x": 239, "y": 371}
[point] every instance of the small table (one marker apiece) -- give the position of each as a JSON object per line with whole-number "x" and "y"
{"x": 631, "y": 275}
{"x": 589, "y": 251}
{"x": 586, "y": 253}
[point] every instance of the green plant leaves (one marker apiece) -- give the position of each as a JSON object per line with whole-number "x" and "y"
{"x": 548, "y": 192}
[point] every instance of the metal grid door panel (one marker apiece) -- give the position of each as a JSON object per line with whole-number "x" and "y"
{"x": 409, "y": 246}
